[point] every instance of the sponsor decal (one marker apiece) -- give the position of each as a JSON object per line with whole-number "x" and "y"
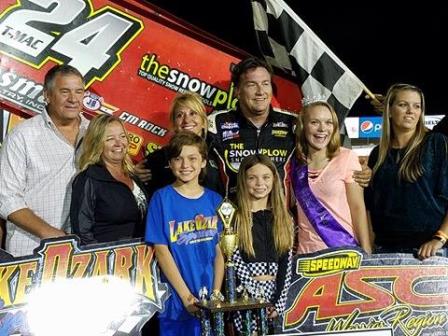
{"x": 228, "y": 135}
{"x": 367, "y": 127}
{"x": 143, "y": 124}
{"x": 69, "y": 32}
{"x": 21, "y": 90}
{"x": 237, "y": 153}
{"x": 135, "y": 144}
{"x": 370, "y": 127}
{"x": 279, "y": 133}
{"x": 179, "y": 81}
{"x": 229, "y": 125}
{"x": 95, "y": 103}
{"x": 280, "y": 124}
{"x": 329, "y": 263}
{"x": 151, "y": 147}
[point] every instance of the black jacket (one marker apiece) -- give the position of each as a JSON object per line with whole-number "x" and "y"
{"x": 104, "y": 209}
{"x": 267, "y": 255}
{"x": 264, "y": 247}
{"x": 232, "y": 137}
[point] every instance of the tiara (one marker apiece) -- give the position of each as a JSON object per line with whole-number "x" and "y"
{"x": 307, "y": 100}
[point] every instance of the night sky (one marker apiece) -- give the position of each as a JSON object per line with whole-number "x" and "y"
{"x": 381, "y": 43}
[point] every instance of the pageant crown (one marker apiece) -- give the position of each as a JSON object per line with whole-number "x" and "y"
{"x": 307, "y": 100}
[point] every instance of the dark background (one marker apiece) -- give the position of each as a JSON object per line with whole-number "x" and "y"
{"x": 381, "y": 42}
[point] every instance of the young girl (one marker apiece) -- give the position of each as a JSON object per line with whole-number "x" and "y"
{"x": 331, "y": 210}
{"x": 183, "y": 227}
{"x": 265, "y": 231}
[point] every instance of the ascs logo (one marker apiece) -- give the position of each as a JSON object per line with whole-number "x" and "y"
{"x": 370, "y": 127}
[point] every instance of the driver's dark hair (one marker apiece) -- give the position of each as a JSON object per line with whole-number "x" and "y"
{"x": 247, "y": 64}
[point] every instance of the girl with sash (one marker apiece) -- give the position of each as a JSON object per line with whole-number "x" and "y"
{"x": 265, "y": 230}
{"x": 331, "y": 210}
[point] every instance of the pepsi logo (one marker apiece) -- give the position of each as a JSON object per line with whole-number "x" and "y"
{"x": 366, "y": 126}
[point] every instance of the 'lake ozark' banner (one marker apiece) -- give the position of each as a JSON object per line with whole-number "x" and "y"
{"x": 103, "y": 289}
{"x": 344, "y": 290}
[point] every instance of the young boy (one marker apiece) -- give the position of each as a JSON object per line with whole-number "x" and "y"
{"x": 182, "y": 224}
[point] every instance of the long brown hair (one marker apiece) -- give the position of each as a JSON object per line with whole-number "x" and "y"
{"x": 283, "y": 226}
{"x": 410, "y": 165}
{"x": 302, "y": 147}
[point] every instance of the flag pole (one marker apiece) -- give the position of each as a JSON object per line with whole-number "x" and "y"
{"x": 376, "y": 100}
{"x": 372, "y": 95}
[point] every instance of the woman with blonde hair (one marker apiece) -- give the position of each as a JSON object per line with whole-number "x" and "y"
{"x": 108, "y": 201}
{"x": 330, "y": 204}
{"x": 265, "y": 230}
{"x": 187, "y": 113}
{"x": 408, "y": 196}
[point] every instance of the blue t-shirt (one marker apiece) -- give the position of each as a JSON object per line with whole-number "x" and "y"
{"x": 190, "y": 228}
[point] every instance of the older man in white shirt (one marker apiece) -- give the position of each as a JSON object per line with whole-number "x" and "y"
{"x": 37, "y": 164}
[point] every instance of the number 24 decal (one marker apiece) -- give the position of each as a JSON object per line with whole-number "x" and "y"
{"x": 68, "y": 31}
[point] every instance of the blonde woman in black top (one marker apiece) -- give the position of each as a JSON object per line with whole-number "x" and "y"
{"x": 408, "y": 196}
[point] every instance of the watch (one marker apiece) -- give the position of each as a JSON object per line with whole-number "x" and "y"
{"x": 439, "y": 238}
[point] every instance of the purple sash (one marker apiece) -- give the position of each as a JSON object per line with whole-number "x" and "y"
{"x": 327, "y": 227}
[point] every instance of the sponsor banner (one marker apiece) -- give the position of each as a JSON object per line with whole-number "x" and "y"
{"x": 135, "y": 59}
{"x": 370, "y": 127}
{"x": 363, "y": 127}
{"x": 383, "y": 332}
{"x": 108, "y": 289}
{"x": 432, "y": 120}
{"x": 339, "y": 290}
{"x": 352, "y": 127}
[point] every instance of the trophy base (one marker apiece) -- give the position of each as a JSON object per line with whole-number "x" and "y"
{"x": 239, "y": 304}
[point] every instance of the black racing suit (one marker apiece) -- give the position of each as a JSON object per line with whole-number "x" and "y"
{"x": 233, "y": 138}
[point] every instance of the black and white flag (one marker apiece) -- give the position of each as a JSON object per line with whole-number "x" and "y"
{"x": 288, "y": 43}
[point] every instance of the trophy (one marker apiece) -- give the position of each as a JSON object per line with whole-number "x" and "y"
{"x": 228, "y": 244}
{"x": 213, "y": 310}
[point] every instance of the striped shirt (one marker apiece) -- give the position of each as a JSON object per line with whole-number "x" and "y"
{"x": 37, "y": 166}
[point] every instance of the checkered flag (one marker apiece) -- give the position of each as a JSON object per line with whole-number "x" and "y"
{"x": 288, "y": 43}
